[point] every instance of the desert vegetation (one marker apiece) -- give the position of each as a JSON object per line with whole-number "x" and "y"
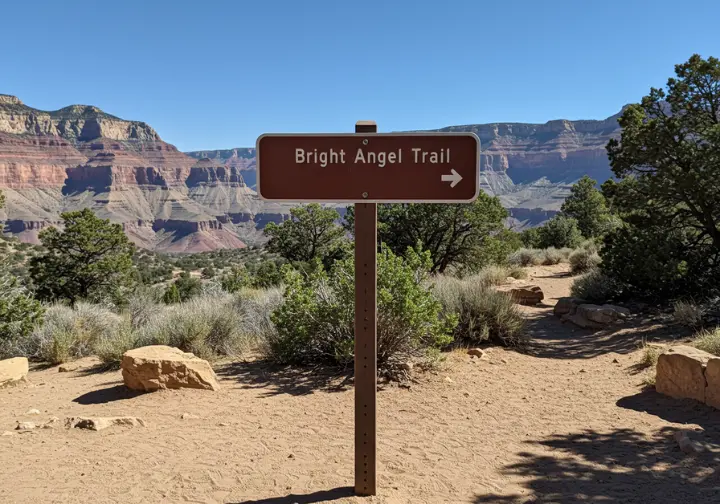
{"x": 644, "y": 236}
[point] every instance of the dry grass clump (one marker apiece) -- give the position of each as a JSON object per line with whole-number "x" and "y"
{"x": 526, "y": 257}
{"x": 483, "y": 313}
{"x": 708, "y": 341}
{"x": 594, "y": 286}
{"x": 583, "y": 260}
{"x": 688, "y": 314}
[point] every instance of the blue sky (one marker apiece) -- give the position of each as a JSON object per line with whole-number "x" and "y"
{"x": 210, "y": 74}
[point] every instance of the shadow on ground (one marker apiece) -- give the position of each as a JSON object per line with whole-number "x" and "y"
{"x": 322, "y": 496}
{"x": 554, "y": 339}
{"x": 277, "y": 380}
{"x": 680, "y": 411}
{"x": 623, "y": 466}
{"x": 106, "y": 395}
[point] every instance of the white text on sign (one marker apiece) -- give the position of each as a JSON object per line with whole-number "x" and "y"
{"x": 332, "y": 156}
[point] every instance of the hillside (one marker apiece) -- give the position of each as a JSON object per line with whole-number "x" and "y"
{"x": 169, "y": 201}
{"x": 80, "y": 156}
{"x": 529, "y": 166}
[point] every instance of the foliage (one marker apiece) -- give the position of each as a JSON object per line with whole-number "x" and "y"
{"x": 583, "y": 260}
{"x": 89, "y": 259}
{"x": 454, "y": 234}
{"x": 208, "y": 272}
{"x": 688, "y": 314}
{"x": 71, "y": 332}
{"x": 235, "y": 279}
{"x": 19, "y": 314}
{"x": 594, "y": 287}
{"x": 551, "y": 256}
{"x": 708, "y": 341}
{"x": 530, "y": 238}
{"x": 2, "y": 200}
{"x": 172, "y": 294}
{"x": 526, "y": 257}
{"x": 266, "y": 274}
{"x": 315, "y": 324}
{"x": 187, "y": 286}
{"x": 587, "y": 205}
{"x": 483, "y": 313}
{"x": 668, "y": 160}
{"x": 311, "y": 232}
{"x": 207, "y": 326}
{"x": 559, "y": 232}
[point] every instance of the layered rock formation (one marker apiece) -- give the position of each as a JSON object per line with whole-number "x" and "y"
{"x": 79, "y": 156}
{"x": 530, "y": 167}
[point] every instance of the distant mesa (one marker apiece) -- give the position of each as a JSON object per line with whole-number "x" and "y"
{"x": 80, "y": 156}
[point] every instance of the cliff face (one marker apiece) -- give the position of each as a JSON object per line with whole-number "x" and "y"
{"x": 80, "y": 157}
{"x": 530, "y": 167}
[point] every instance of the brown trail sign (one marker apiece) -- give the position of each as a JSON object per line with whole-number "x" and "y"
{"x": 367, "y": 168}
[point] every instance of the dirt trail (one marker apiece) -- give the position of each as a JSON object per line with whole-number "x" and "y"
{"x": 569, "y": 422}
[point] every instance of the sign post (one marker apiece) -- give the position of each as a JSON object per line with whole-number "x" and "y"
{"x": 365, "y": 340}
{"x": 367, "y": 168}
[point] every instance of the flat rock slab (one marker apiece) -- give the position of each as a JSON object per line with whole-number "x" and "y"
{"x": 162, "y": 367}
{"x": 13, "y": 371}
{"x": 527, "y": 294}
{"x": 100, "y": 423}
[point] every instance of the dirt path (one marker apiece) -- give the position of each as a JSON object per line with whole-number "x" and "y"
{"x": 568, "y": 423}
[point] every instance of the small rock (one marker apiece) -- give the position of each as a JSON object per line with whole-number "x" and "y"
{"x": 583, "y": 371}
{"x": 50, "y": 424}
{"x": 476, "y": 352}
{"x": 466, "y": 394}
{"x": 32, "y": 412}
{"x": 448, "y": 379}
{"x": 8, "y": 433}
{"x": 407, "y": 367}
{"x": 223, "y": 424}
{"x": 503, "y": 361}
{"x": 189, "y": 416}
{"x": 687, "y": 445}
{"x": 291, "y": 456}
{"x": 24, "y": 426}
{"x": 99, "y": 423}
{"x": 615, "y": 361}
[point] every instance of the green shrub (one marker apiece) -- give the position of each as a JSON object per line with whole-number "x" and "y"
{"x": 708, "y": 341}
{"x": 19, "y": 314}
{"x": 235, "y": 279}
{"x": 526, "y": 257}
{"x": 315, "y": 323}
{"x": 483, "y": 313}
{"x": 559, "y": 232}
{"x": 583, "y": 260}
{"x": 594, "y": 286}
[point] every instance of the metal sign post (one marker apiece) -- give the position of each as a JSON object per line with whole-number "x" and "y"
{"x": 365, "y": 340}
{"x": 367, "y": 168}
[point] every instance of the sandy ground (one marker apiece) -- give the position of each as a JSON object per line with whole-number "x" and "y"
{"x": 569, "y": 422}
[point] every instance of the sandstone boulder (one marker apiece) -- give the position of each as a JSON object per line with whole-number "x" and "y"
{"x": 712, "y": 378}
{"x": 589, "y": 316}
{"x": 527, "y": 294}
{"x": 162, "y": 367}
{"x": 13, "y": 371}
{"x": 566, "y": 306}
{"x": 681, "y": 373}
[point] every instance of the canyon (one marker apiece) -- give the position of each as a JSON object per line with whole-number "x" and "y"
{"x": 166, "y": 200}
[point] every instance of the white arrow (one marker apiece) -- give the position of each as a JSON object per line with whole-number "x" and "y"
{"x": 453, "y": 178}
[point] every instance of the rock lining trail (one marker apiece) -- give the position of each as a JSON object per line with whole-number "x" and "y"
{"x": 570, "y": 421}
